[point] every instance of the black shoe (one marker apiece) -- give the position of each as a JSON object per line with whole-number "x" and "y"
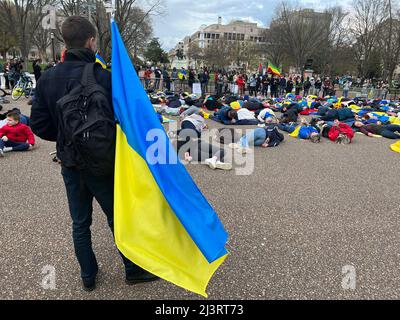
{"x": 140, "y": 278}
{"x": 88, "y": 285}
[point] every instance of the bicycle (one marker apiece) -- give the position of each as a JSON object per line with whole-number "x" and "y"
{"x": 24, "y": 86}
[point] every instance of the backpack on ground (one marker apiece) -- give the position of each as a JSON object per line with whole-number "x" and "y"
{"x": 86, "y": 127}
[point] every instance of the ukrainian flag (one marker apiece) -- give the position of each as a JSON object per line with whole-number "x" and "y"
{"x": 101, "y": 61}
{"x": 163, "y": 223}
{"x": 182, "y": 74}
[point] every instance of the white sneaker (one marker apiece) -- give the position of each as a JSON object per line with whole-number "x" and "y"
{"x": 7, "y": 149}
{"x": 212, "y": 163}
{"x": 223, "y": 165}
{"x": 243, "y": 150}
{"x": 1, "y": 153}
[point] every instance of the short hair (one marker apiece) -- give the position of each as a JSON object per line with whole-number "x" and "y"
{"x": 232, "y": 114}
{"x": 15, "y": 115}
{"x": 76, "y": 31}
{"x": 315, "y": 138}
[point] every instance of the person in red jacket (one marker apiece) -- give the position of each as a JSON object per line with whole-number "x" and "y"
{"x": 240, "y": 83}
{"x": 340, "y": 133}
{"x": 15, "y": 136}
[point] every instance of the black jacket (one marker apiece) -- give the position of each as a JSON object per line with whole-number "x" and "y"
{"x": 56, "y": 83}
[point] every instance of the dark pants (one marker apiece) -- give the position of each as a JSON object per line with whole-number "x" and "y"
{"x": 389, "y": 131}
{"x": 81, "y": 188}
{"x": 17, "y": 146}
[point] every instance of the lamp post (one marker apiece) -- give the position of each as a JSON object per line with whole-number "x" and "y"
{"x": 52, "y": 46}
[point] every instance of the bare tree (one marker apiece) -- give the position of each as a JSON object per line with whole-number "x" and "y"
{"x": 133, "y": 18}
{"x": 389, "y": 41}
{"x": 303, "y": 32}
{"x": 195, "y": 53}
{"x": 42, "y": 40}
{"x": 23, "y": 18}
{"x": 367, "y": 23}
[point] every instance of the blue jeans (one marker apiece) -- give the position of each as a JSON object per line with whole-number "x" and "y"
{"x": 389, "y": 131}
{"x": 254, "y": 138}
{"x": 81, "y": 188}
{"x": 286, "y": 127}
{"x": 17, "y": 146}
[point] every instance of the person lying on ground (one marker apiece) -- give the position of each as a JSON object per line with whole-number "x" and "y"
{"x": 340, "y": 133}
{"x": 289, "y": 115}
{"x": 15, "y": 136}
{"x": 190, "y": 147}
{"x": 306, "y": 131}
{"x": 264, "y": 114}
{"x": 391, "y": 131}
{"x": 341, "y": 114}
{"x": 267, "y": 137}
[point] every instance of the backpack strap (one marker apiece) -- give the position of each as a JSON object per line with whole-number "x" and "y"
{"x": 88, "y": 77}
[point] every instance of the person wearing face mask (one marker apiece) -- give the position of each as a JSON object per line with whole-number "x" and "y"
{"x": 82, "y": 185}
{"x": 15, "y": 136}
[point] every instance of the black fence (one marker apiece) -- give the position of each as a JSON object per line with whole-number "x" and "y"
{"x": 179, "y": 86}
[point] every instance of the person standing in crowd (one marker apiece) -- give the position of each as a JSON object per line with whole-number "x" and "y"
{"x": 174, "y": 77}
{"x": 157, "y": 74}
{"x": 147, "y": 77}
{"x": 252, "y": 85}
{"x": 264, "y": 84}
{"x": 37, "y": 70}
{"x": 318, "y": 87}
{"x": 307, "y": 86}
{"x": 220, "y": 84}
{"x": 166, "y": 79}
{"x": 327, "y": 86}
{"x": 298, "y": 86}
{"x": 226, "y": 84}
{"x": 192, "y": 79}
{"x": 282, "y": 86}
{"x": 346, "y": 88}
{"x": 82, "y": 185}
{"x": 216, "y": 73}
{"x": 274, "y": 87}
{"x": 289, "y": 85}
{"x": 241, "y": 84}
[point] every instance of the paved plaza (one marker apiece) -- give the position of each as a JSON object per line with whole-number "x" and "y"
{"x": 307, "y": 211}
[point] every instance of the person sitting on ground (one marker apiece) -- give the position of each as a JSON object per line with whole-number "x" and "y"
{"x": 306, "y": 131}
{"x": 190, "y": 147}
{"x": 15, "y": 136}
{"x": 391, "y": 131}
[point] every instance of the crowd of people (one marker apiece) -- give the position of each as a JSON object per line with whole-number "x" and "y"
{"x": 304, "y": 117}
{"x": 221, "y": 83}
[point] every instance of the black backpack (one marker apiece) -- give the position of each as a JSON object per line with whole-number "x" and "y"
{"x": 86, "y": 127}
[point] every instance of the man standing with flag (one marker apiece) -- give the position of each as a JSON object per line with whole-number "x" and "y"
{"x": 82, "y": 185}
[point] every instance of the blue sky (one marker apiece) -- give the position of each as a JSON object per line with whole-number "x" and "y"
{"x": 184, "y": 17}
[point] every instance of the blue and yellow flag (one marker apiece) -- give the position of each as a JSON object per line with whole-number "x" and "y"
{"x": 163, "y": 223}
{"x": 182, "y": 74}
{"x": 101, "y": 61}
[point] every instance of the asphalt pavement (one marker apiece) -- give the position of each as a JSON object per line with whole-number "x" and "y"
{"x": 306, "y": 215}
